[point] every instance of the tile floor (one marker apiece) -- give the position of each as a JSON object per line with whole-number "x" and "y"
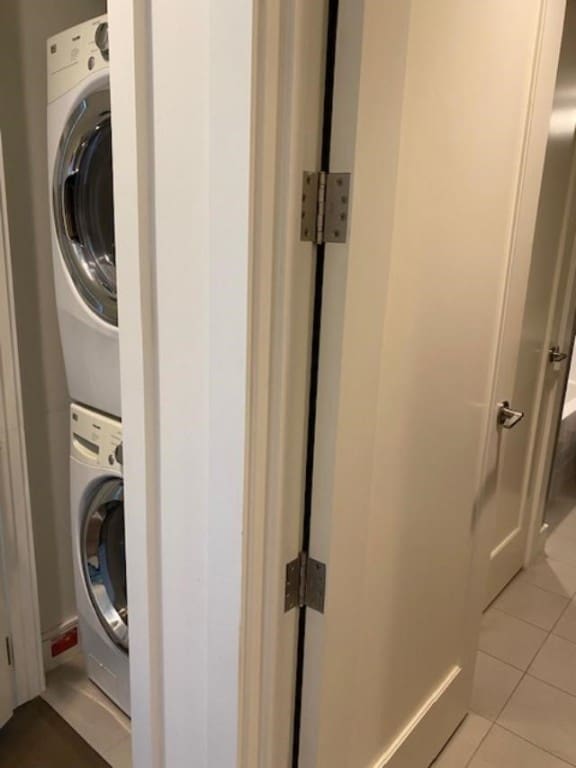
{"x": 92, "y": 715}
{"x": 523, "y": 710}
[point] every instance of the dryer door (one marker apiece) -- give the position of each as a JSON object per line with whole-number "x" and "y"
{"x": 103, "y": 554}
{"x": 83, "y": 204}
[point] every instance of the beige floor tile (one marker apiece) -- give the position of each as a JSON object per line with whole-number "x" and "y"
{"x": 543, "y": 715}
{"x": 92, "y": 722}
{"x": 85, "y": 707}
{"x": 120, "y": 756}
{"x": 532, "y": 604}
{"x": 561, "y": 516}
{"x": 556, "y": 664}
{"x": 72, "y": 673}
{"x": 560, "y": 547}
{"x": 552, "y": 575}
{"x": 566, "y": 626}
{"x": 463, "y": 743}
{"x": 509, "y": 639}
{"x": 502, "y": 749}
{"x": 494, "y": 682}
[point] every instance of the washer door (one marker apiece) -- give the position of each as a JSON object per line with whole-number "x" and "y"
{"x": 103, "y": 554}
{"x": 84, "y": 204}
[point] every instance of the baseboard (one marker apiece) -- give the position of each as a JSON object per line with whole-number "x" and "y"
{"x": 59, "y": 644}
{"x": 397, "y": 750}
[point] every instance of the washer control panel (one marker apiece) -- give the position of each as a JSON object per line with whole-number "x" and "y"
{"x": 96, "y": 439}
{"x": 76, "y": 53}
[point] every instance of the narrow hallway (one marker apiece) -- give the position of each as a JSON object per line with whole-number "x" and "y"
{"x": 523, "y": 710}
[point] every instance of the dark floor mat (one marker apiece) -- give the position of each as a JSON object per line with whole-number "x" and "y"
{"x": 37, "y": 737}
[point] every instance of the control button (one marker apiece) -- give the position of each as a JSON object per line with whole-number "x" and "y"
{"x": 101, "y": 38}
{"x": 119, "y": 452}
{"x": 91, "y": 62}
{"x": 111, "y": 459}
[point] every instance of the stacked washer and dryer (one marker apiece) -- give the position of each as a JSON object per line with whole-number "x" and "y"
{"x": 82, "y": 222}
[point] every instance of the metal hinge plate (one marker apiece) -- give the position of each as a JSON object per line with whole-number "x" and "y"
{"x": 305, "y": 584}
{"x": 324, "y": 216}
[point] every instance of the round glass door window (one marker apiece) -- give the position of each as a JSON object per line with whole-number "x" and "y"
{"x": 84, "y": 204}
{"x": 104, "y": 558}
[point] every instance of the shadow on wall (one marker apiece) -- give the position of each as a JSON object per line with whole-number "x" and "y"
{"x": 25, "y": 26}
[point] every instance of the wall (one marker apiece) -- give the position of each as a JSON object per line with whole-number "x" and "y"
{"x": 182, "y": 158}
{"x": 25, "y": 26}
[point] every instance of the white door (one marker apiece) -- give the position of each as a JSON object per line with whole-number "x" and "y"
{"x": 525, "y": 373}
{"x": 554, "y": 376}
{"x": 431, "y": 106}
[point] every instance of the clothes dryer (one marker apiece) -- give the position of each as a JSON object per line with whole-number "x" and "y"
{"x": 99, "y": 551}
{"x": 82, "y": 212}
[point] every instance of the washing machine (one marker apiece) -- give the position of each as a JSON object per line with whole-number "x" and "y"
{"x": 82, "y": 212}
{"x": 99, "y": 553}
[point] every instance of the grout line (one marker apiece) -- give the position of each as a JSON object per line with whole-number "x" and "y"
{"x": 559, "y": 617}
{"x": 525, "y": 673}
{"x": 531, "y": 623}
{"x": 550, "y": 685}
{"x": 512, "y": 692}
{"x": 525, "y": 621}
{"x": 533, "y": 744}
{"x": 482, "y": 740}
{"x": 508, "y": 663}
{"x": 522, "y": 577}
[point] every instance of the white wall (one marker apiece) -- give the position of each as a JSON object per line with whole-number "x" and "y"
{"x": 182, "y": 152}
{"x": 202, "y": 157}
{"x": 24, "y": 27}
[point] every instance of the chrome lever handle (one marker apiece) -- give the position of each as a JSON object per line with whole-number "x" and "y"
{"x": 555, "y": 356}
{"x": 508, "y": 417}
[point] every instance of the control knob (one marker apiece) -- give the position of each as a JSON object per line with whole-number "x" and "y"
{"x": 119, "y": 453}
{"x": 101, "y": 39}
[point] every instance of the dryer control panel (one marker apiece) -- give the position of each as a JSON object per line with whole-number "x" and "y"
{"x": 95, "y": 439}
{"x": 75, "y": 54}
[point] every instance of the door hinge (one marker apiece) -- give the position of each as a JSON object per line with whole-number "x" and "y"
{"x": 9, "y": 654}
{"x": 305, "y": 584}
{"x": 324, "y": 216}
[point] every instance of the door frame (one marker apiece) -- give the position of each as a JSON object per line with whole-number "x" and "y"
{"x": 17, "y": 556}
{"x": 563, "y": 310}
{"x": 238, "y": 502}
{"x": 546, "y": 59}
{"x": 269, "y": 638}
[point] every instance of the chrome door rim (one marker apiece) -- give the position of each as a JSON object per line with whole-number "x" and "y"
{"x": 115, "y": 624}
{"x": 98, "y": 291}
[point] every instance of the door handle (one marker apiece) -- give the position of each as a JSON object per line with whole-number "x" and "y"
{"x": 508, "y": 417}
{"x": 69, "y": 207}
{"x": 555, "y": 356}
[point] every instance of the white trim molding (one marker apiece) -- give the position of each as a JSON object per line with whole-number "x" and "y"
{"x": 131, "y": 99}
{"x": 181, "y": 83}
{"x": 287, "y": 101}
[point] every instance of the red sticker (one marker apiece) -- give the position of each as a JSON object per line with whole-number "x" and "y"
{"x": 65, "y": 642}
